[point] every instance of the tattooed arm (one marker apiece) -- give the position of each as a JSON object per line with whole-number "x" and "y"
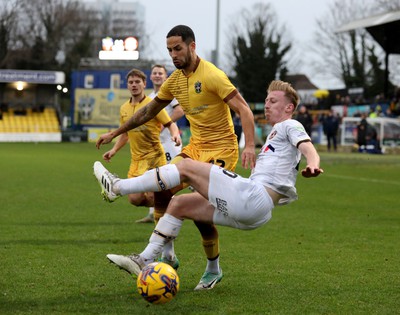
{"x": 142, "y": 116}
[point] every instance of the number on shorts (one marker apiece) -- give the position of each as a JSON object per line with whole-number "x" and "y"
{"x": 229, "y": 173}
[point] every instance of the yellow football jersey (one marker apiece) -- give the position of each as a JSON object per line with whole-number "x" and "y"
{"x": 201, "y": 96}
{"x": 144, "y": 140}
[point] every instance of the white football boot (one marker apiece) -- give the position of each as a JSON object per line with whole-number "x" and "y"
{"x": 132, "y": 263}
{"x": 106, "y": 181}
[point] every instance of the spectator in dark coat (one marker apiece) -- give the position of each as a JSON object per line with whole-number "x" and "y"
{"x": 305, "y": 118}
{"x": 367, "y": 137}
{"x": 362, "y": 133}
{"x": 330, "y": 125}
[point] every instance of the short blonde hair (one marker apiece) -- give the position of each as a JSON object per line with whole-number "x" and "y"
{"x": 287, "y": 88}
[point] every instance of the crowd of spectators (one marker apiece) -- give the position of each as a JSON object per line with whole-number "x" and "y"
{"x": 327, "y": 120}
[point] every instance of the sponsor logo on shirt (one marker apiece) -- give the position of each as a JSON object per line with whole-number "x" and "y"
{"x": 268, "y": 147}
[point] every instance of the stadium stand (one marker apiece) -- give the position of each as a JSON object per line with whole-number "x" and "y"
{"x": 29, "y": 125}
{"x": 30, "y": 121}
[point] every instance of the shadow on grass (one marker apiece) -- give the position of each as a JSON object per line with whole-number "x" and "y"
{"x": 122, "y": 302}
{"x": 69, "y": 242}
{"x": 83, "y": 303}
{"x": 72, "y": 224}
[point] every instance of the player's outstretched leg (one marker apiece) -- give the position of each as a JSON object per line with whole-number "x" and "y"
{"x": 132, "y": 263}
{"x": 106, "y": 181}
{"x": 157, "y": 179}
{"x": 166, "y": 230}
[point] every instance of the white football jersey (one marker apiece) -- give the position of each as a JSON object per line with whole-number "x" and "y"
{"x": 278, "y": 161}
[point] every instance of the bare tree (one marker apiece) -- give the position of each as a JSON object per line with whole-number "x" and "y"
{"x": 50, "y": 26}
{"x": 353, "y": 57}
{"x": 258, "y": 50}
{"x": 337, "y": 53}
{"x": 8, "y": 21}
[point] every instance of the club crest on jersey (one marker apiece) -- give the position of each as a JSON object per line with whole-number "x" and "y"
{"x": 197, "y": 87}
{"x": 272, "y": 135}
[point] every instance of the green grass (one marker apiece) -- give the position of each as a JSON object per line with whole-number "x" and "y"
{"x": 334, "y": 251}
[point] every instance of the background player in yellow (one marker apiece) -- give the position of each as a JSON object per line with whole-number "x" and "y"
{"x": 206, "y": 96}
{"x": 145, "y": 145}
{"x": 157, "y": 77}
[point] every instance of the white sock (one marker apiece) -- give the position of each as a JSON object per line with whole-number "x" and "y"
{"x": 167, "y": 229}
{"x": 157, "y": 179}
{"x": 169, "y": 250}
{"x": 151, "y": 210}
{"x": 213, "y": 265}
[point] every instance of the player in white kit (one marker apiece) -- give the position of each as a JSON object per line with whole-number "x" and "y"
{"x": 235, "y": 201}
{"x": 158, "y": 76}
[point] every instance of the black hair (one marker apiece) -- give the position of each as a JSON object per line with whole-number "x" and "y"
{"x": 183, "y": 31}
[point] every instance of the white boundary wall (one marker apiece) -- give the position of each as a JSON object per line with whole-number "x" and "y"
{"x": 30, "y": 137}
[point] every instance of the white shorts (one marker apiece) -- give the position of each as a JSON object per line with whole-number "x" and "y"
{"x": 171, "y": 150}
{"x": 239, "y": 202}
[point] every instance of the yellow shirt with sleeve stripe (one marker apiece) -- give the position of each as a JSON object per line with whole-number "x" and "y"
{"x": 201, "y": 95}
{"x": 144, "y": 140}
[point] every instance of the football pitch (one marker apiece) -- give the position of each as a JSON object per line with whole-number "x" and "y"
{"x": 334, "y": 251}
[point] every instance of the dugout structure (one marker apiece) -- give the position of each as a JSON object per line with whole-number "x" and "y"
{"x": 29, "y": 105}
{"x": 388, "y": 130}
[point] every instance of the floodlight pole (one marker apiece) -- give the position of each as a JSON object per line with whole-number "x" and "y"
{"x": 216, "y": 60}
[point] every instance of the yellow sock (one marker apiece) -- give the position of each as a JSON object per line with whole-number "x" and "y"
{"x": 211, "y": 248}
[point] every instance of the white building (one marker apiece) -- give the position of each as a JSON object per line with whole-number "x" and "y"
{"x": 118, "y": 18}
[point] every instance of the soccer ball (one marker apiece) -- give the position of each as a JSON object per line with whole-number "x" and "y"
{"x": 158, "y": 283}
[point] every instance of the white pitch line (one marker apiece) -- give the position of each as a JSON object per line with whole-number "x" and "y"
{"x": 363, "y": 179}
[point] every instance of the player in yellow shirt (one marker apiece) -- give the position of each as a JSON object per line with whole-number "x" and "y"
{"x": 206, "y": 96}
{"x": 145, "y": 145}
{"x": 158, "y": 76}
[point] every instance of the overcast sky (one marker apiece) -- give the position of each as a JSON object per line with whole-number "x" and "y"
{"x": 299, "y": 17}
